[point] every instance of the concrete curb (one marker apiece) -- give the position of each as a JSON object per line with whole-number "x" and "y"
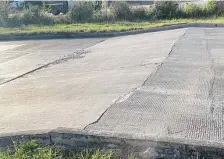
{"x": 109, "y": 34}
{"x": 121, "y": 144}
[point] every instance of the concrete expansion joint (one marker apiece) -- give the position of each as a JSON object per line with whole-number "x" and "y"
{"x": 118, "y": 100}
{"x": 160, "y": 65}
{"x": 76, "y": 55}
{"x": 168, "y": 111}
{"x": 212, "y": 80}
{"x": 129, "y": 94}
{"x": 36, "y": 69}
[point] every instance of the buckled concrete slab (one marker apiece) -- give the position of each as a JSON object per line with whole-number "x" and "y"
{"x": 157, "y": 93}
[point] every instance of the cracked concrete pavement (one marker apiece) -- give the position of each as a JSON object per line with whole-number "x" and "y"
{"x": 75, "y": 93}
{"x": 166, "y": 86}
{"x": 182, "y": 101}
{"x": 19, "y": 58}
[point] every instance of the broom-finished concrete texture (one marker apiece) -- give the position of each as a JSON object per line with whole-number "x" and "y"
{"x": 182, "y": 101}
{"x": 75, "y": 93}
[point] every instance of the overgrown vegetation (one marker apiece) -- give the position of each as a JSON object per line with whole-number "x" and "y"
{"x": 166, "y": 9}
{"x": 99, "y": 27}
{"x": 82, "y": 12}
{"x": 121, "y": 10}
{"x": 32, "y": 150}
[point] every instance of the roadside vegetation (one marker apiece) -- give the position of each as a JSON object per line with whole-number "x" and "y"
{"x": 97, "y": 27}
{"x": 118, "y": 16}
{"x": 32, "y": 150}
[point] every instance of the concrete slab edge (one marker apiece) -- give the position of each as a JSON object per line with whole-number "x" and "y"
{"x": 109, "y": 34}
{"x": 121, "y": 143}
{"x": 74, "y": 55}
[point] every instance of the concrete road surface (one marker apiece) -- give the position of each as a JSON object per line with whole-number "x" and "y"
{"x": 22, "y": 57}
{"x": 76, "y": 92}
{"x": 164, "y": 85}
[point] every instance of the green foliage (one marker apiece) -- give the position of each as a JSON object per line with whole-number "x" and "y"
{"x": 61, "y": 19}
{"x": 141, "y": 13}
{"x": 31, "y": 14}
{"x": 166, "y": 9}
{"x": 219, "y": 8}
{"x": 195, "y": 11}
{"x": 81, "y": 11}
{"x": 211, "y": 7}
{"x": 32, "y": 150}
{"x": 45, "y": 8}
{"x": 95, "y": 155}
{"x": 103, "y": 16}
{"x": 121, "y": 10}
{"x": 4, "y": 12}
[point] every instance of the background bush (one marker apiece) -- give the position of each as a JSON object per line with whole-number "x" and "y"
{"x": 4, "y": 13}
{"x": 141, "y": 13}
{"x": 194, "y": 11}
{"x": 211, "y": 8}
{"x": 103, "y": 16}
{"x": 81, "y": 11}
{"x": 85, "y": 12}
{"x": 219, "y": 8}
{"x": 121, "y": 10}
{"x": 166, "y": 9}
{"x": 30, "y": 15}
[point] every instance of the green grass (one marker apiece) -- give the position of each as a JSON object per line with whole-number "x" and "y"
{"x": 32, "y": 150}
{"x": 99, "y": 27}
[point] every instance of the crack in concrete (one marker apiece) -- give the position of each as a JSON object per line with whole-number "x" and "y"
{"x": 130, "y": 94}
{"x": 76, "y": 55}
{"x": 118, "y": 100}
{"x": 156, "y": 70}
{"x": 212, "y": 81}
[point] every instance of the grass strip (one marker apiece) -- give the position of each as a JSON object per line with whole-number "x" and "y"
{"x": 98, "y": 27}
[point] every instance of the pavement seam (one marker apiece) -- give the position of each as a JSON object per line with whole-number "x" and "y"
{"x": 212, "y": 81}
{"x": 160, "y": 65}
{"x": 75, "y": 55}
{"x": 115, "y": 102}
{"x": 130, "y": 94}
{"x": 70, "y": 56}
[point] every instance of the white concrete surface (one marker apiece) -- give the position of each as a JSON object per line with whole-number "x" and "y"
{"x": 19, "y": 57}
{"x": 75, "y": 93}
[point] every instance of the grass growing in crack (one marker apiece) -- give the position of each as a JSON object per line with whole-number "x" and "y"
{"x": 32, "y": 150}
{"x": 99, "y": 27}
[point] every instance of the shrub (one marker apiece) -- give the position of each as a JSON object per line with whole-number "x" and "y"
{"x": 81, "y": 11}
{"x": 46, "y": 18}
{"x": 140, "y": 13}
{"x": 31, "y": 14}
{"x": 194, "y": 11}
{"x": 34, "y": 15}
{"x": 33, "y": 150}
{"x": 211, "y": 8}
{"x": 121, "y": 10}
{"x": 61, "y": 19}
{"x": 15, "y": 19}
{"x": 219, "y": 8}
{"x": 4, "y": 12}
{"x": 103, "y": 15}
{"x": 166, "y": 9}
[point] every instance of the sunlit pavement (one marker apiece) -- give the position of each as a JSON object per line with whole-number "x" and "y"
{"x": 166, "y": 85}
